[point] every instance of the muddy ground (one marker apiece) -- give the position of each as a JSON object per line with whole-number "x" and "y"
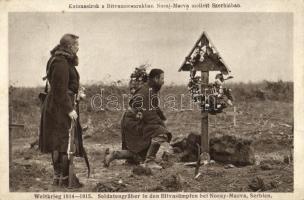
{"x": 267, "y": 123}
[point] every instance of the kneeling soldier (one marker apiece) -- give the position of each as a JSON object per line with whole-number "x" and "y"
{"x": 142, "y": 125}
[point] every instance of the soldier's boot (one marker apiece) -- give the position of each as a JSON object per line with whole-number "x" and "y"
{"x": 151, "y": 156}
{"x": 132, "y": 161}
{"x": 118, "y": 155}
{"x": 64, "y": 175}
{"x": 57, "y": 167}
{"x": 64, "y": 178}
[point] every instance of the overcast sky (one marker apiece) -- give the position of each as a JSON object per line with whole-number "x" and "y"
{"x": 255, "y": 46}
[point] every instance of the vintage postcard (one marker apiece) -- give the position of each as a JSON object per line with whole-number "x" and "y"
{"x": 109, "y": 99}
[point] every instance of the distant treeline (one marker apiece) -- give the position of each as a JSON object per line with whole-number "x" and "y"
{"x": 265, "y": 90}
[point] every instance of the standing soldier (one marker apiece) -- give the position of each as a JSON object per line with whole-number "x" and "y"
{"x": 143, "y": 128}
{"x": 59, "y": 109}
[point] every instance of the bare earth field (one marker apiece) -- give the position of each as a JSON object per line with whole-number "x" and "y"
{"x": 267, "y": 122}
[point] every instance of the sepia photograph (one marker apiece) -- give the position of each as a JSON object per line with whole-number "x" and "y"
{"x": 146, "y": 104}
{"x": 151, "y": 102}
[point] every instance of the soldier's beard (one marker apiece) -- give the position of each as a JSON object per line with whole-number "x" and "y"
{"x": 156, "y": 86}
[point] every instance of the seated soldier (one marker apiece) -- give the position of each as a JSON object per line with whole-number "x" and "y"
{"x": 142, "y": 125}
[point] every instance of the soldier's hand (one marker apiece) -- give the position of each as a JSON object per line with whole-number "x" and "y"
{"x": 73, "y": 115}
{"x": 165, "y": 122}
{"x": 81, "y": 93}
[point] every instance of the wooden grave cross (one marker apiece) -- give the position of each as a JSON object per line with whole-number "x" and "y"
{"x": 204, "y": 57}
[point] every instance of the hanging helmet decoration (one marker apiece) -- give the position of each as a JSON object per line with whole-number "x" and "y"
{"x": 138, "y": 78}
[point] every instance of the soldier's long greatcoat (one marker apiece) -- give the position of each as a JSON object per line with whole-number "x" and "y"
{"x": 136, "y": 131}
{"x": 55, "y": 122}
